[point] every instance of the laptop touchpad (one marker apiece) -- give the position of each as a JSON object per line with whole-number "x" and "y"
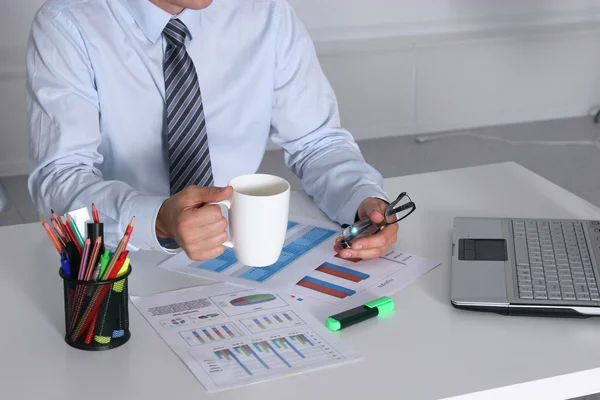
{"x": 482, "y": 250}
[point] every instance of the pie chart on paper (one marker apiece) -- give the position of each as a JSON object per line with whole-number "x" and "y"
{"x": 252, "y": 300}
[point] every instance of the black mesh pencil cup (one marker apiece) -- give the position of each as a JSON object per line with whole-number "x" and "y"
{"x": 96, "y": 312}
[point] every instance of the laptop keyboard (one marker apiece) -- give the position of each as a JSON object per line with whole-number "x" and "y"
{"x": 553, "y": 261}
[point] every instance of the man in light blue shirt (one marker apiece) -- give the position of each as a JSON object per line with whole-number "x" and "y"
{"x": 147, "y": 107}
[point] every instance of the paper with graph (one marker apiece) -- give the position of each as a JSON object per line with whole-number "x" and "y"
{"x": 229, "y": 336}
{"x": 308, "y": 270}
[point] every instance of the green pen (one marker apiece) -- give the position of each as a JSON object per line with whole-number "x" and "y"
{"x": 76, "y": 232}
{"x": 368, "y": 310}
{"x": 104, "y": 259}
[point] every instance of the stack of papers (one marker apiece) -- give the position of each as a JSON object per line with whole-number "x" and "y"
{"x": 309, "y": 271}
{"x": 231, "y": 336}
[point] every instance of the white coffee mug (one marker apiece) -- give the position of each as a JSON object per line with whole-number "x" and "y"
{"x": 258, "y": 218}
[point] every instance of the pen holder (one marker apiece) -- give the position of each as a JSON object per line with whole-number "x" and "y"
{"x": 96, "y": 312}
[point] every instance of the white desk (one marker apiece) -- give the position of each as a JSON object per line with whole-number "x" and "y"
{"x": 427, "y": 350}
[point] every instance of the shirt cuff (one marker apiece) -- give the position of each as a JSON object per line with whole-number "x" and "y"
{"x": 349, "y": 211}
{"x": 145, "y": 209}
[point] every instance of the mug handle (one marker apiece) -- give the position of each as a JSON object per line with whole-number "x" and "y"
{"x": 226, "y": 203}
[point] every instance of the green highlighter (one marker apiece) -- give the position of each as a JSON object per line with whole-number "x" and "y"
{"x": 104, "y": 260}
{"x": 368, "y": 310}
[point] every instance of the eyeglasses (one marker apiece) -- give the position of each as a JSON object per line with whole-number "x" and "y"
{"x": 398, "y": 210}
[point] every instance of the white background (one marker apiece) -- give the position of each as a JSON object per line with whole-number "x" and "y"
{"x": 402, "y": 66}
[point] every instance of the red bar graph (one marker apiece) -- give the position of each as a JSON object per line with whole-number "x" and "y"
{"x": 342, "y": 272}
{"x": 322, "y": 289}
{"x": 325, "y": 287}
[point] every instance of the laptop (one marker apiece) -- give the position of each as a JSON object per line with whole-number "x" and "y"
{"x": 536, "y": 267}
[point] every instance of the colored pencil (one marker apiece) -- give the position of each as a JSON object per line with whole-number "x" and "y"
{"x": 69, "y": 231}
{"x": 122, "y": 245}
{"x": 60, "y": 232}
{"x": 93, "y": 259}
{"x": 84, "y": 259}
{"x": 53, "y": 237}
{"x": 95, "y": 214}
{"x": 75, "y": 230}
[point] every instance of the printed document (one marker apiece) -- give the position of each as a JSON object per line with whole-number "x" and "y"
{"x": 230, "y": 337}
{"x": 309, "y": 271}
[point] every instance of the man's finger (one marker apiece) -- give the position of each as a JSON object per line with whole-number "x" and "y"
{"x": 374, "y": 209}
{"x": 195, "y": 196}
{"x": 196, "y": 244}
{"x": 204, "y": 255}
{"x": 367, "y": 254}
{"x": 193, "y": 219}
{"x": 376, "y": 216}
{"x": 384, "y": 237}
{"x": 210, "y": 230}
{"x": 377, "y": 240}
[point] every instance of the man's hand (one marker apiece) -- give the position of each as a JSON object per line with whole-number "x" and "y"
{"x": 198, "y": 228}
{"x": 375, "y": 246}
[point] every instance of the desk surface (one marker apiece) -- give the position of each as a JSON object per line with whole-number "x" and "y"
{"x": 428, "y": 349}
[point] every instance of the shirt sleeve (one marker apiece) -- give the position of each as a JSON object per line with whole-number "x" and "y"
{"x": 64, "y": 117}
{"x": 306, "y": 125}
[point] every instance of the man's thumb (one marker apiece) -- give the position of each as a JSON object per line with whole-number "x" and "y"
{"x": 203, "y": 195}
{"x": 373, "y": 211}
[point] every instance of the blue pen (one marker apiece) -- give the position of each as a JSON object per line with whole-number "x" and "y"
{"x": 66, "y": 266}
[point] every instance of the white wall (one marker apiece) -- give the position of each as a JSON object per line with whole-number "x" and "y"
{"x": 335, "y": 19}
{"x": 15, "y": 21}
{"x": 403, "y": 66}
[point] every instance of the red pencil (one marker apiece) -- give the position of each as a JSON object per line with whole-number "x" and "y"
{"x": 69, "y": 231}
{"x": 95, "y": 214}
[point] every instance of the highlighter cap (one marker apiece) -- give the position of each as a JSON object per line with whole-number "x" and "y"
{"x": 384, "y": 305}
{"x": 333, "y": 324}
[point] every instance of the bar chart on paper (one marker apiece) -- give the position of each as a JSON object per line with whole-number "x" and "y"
{"x": 336, "y": 284}
{"x": 285, "y": 319}
{"x": 267, "y": 358}
{"x": 254, "y": 345}
{"x": 290, "y": 253}
{"x": 227, "y": 259}
{"x": 211, "y": 334}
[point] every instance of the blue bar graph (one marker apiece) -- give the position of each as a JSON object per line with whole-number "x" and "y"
{"x": 278, "y": 355}
{"x": 290, "y": 253}
{"x": 239, "y": 362}
{"x": 342, "y": 272}
{"x": 329, "y": 285}
{"x": 227, "y": 259}
{"x": 257, "y": 357}
{"x": 305, "y": 338}
{"x": 293, "y": 348}
{"x": 272, "y": 355}
{"x": 221, "y": 263}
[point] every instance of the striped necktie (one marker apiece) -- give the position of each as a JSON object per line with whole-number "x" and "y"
{"x": 189, "y": 156}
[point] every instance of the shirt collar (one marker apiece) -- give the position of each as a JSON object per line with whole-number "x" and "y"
{"x": 152, "y": 19}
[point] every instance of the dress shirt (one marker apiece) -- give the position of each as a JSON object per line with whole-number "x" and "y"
{"x": 96, "y": 106}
